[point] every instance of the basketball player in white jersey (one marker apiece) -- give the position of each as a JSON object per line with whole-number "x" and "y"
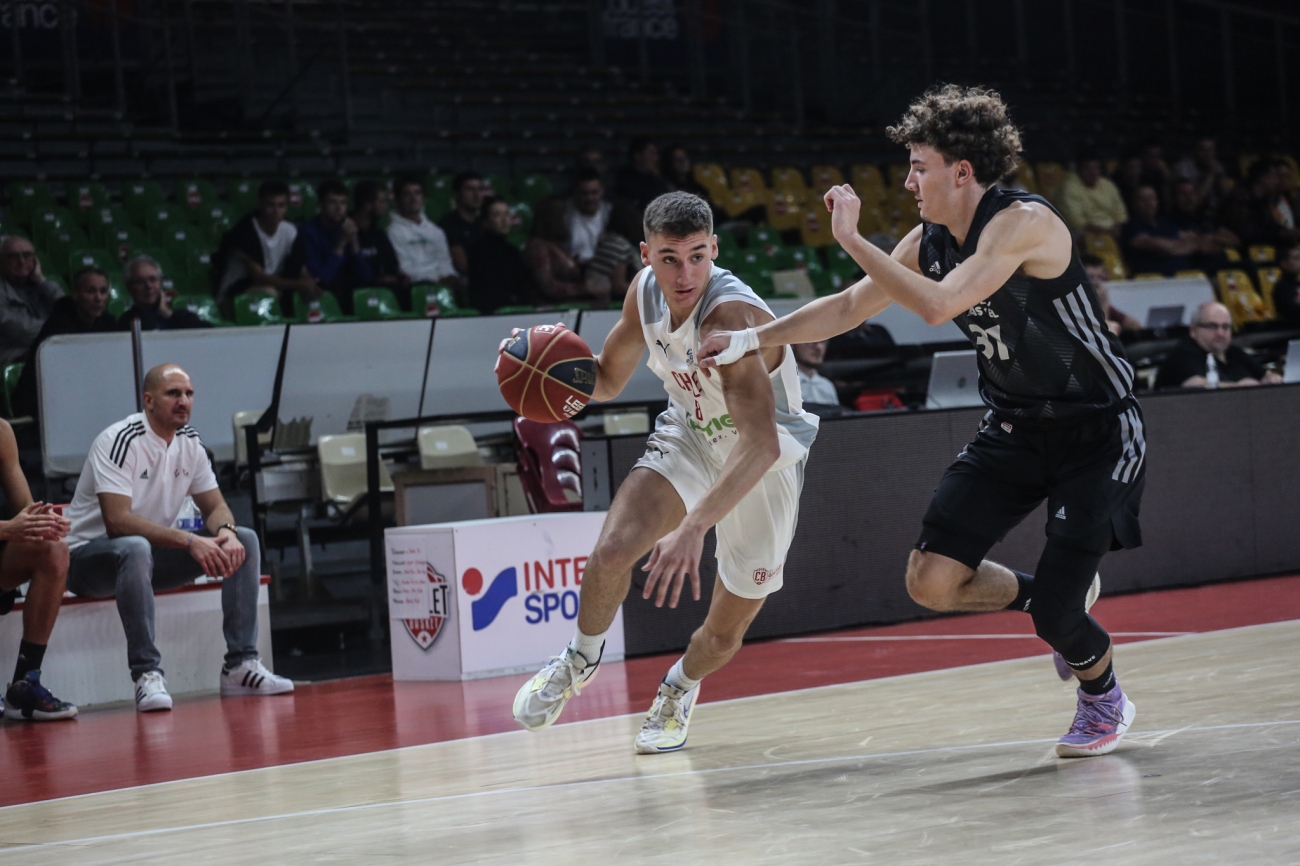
{"x": 728, "y": 452}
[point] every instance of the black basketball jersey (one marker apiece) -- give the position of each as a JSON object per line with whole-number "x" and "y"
{"x": 1044, "y": 351}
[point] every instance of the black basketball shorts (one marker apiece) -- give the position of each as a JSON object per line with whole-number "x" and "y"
{"x": 1091, "y": 473}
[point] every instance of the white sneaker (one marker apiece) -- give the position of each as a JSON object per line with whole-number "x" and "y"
{"x": 664, "y": 728}
{"x": 1064, "y": 671}
{"x": 151, "y": 693}
{"x": 252, "y": 678}
{"x": 541, "y": 700}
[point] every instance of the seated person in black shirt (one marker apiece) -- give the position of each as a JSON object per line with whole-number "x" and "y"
{"x": 83, "y": 311}
{"x": 462, "y": 223}
{"x": 639, "y": 181}
{"x": 150, "y": 305}
{"x": 370, "y": 203}
{"x": 1151, "y": 243}
{"x": 1188, "y": 365}
{"x": 1188, "y": 216}
{"x": 1286, "y": 291}
{"x": 498, "y": 274}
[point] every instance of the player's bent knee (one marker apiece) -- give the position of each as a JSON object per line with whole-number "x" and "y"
{"x": 134, "y": 550}
{"x": 719, "y": 643}
{"x": 929, "y": 582}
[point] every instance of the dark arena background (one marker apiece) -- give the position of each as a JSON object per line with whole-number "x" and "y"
{"x": 330, "y": 214}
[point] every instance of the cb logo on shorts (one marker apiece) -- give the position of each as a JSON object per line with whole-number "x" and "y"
{"x": 760, "y": 576}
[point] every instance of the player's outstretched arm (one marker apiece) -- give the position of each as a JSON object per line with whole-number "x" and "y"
{"x": 1025, "y": 235}
{"x": 819, "y": 320}
{"x": 622, "y": 352}
{"x": 751, "y": 407}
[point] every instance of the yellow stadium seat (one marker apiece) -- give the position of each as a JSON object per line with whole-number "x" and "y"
{"x": 826, "y": 176}
{"x": 1268, "y": 278}
{"x": 1050, "y": 177}
{"x": 1262, "y": 254}
{"x": 1100, "y": 244}
{"x": 1191, "y": 273}
{"x": 750, "y": 179}
{"x": 785, "y": 210}
{"x": 789, "y": 179}
{"x": 711, "y": 176}
{"x": 1148, "y": 276}
{"x": 898, "y": 175}
{"x": 737, "y": 201}
{"x": 1237, "y": 293}
{"x": 1232, "y": 255}
{"x": 815, "y": 229}
{"x": 1115, "y": 267}
{"x": 870, "y": 220}
{"x": 864, "y": 175}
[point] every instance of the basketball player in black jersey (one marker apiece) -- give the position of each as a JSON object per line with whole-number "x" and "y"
{"x": 1063, "y": 424}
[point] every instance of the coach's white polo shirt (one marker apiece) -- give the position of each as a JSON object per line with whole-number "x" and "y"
{"x": 131, "y": 460}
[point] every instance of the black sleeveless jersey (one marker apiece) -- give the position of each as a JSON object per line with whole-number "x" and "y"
{"x": 1045, "y": 354}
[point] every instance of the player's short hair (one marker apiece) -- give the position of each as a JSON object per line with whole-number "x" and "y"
{"x": 677, "y": 215}
{"x": 141, "y": 259}
{"x": 970, "y": 123}
{"x": 331, "y": 186}
{"x": 83, "y": 272}
{"x": 269, "y": 188}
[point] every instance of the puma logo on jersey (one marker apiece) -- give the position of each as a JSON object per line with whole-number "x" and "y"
{"x": 660, "y": 344}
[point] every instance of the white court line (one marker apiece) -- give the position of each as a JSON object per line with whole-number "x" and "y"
{"x": 864, "y": 638}
{"x": 525, "y": 789}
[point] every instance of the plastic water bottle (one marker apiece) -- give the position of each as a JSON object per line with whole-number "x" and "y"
{"x": 1211, "y": 371}
{"x": 190, "y": 518}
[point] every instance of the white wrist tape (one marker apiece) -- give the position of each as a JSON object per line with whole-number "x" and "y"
{"x": 742, "y": 342}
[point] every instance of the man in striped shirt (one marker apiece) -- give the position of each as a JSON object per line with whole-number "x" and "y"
{"x": 125, "y": 543}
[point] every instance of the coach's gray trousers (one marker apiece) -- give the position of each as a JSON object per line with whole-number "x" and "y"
{"x": 131, "y": 569}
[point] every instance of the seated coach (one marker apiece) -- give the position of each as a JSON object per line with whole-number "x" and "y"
{"x": 124, "y": 543}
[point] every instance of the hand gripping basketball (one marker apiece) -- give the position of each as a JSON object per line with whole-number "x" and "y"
{"x": 546, "y": 373}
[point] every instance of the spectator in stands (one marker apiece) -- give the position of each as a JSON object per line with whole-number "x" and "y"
{"x": 588, "y": 214}
{"x": 370, "y": 203}
{"x": 1202, "y": 168}
{"x": 461, "y": 224}
{"x": 679, "y": 171}
{"x": 329, "y": 248}
{"x": 1253, "y": 212}
{"x": 589, "y": 160}
{"x": 26, "y": 297}
{"x": 1090, "y": 203}
{"x": 1128, "y": 176}
{"x": 1151, "y": 243}
{"x": 1206, "y": 358}
{"x": 558, "y": 276}
{"x": 639, "y": 181}
{"x": 618, "y": 254}
{"x": 32, "y": 551}
{"x": 1117, "y": 320}
{"x": 1190, "y": 217}
{"x": 149, "y": 303}
{"x": 1155, "y": 171}
{"x": 124, "y": 541}
{"x": 1286, "y": 291}
{"x": 84, "y": 311}
{"x": 254, "y": 253}
{"x": 421, "y": 246}
{"x": 498, "y": 274}
{"x": 813, "y": 386}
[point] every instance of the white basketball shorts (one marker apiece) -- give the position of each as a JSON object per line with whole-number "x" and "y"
{"x": 754, "y": 537}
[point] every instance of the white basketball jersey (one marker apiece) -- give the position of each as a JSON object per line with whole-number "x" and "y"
{"x": 696, "y": 400}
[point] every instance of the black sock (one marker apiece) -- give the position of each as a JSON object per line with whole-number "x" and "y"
{"x": 1024, "y": 592}
{"x": 1101, "y": 684}
{"x": 30, "y": 656}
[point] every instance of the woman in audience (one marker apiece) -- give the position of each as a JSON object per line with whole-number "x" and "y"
{"x": 498, "y": 274}
{"x": 618, "y": 254}
{"x": 559, "y": 278}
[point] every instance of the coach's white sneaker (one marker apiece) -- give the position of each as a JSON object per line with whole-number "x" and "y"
{"x": 664, "y": 728}
{"x": 252, "y": 678}
{"x": 151, "y": 693}
{"x": 541, "y": 700}
{"x": 1064, "y": 671}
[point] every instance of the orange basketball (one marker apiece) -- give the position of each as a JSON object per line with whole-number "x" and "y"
{"x": 546, "y": 373}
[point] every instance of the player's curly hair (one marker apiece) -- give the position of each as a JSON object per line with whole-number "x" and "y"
{"x": 970, "y": 123}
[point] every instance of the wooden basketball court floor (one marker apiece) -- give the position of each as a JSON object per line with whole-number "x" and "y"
{"x": 950, "y": 764}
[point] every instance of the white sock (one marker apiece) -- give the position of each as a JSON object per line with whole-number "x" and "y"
{"x": 589, "y": 646}
{"x": 677, "y": 679}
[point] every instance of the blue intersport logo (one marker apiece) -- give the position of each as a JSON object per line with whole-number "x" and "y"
{"x": 505, "y": 586}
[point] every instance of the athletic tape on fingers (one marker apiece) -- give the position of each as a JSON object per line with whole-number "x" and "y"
{"x": 742, "y": 342}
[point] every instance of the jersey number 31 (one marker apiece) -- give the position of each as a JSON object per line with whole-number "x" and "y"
{"x": 985, "y": 341}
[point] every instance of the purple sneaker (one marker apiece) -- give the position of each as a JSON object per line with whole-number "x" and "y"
{"x": 1098, "y": 724}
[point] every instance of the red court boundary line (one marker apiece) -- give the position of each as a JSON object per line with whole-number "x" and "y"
{"x": 116, "y": 748}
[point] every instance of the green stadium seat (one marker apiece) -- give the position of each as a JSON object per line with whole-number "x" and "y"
{"x": 124, "y": 241}
{"x": 431, "y": 299}
{"x": 764, "y": 236}
{"x": 9, "y": 227}
{"x": 55, "y": 246}
{"x": 521, "y": 217}
{"x": 499, "y": 186}
{"x": 841, "y": 263}
{"x": 48, "y": 219}
{"x": 437, "y": 196}
{"x": 90, "y": 258}
{"x": 241, "y": 196}
{"x": 532, "y": 188}
{"x": 11, "y": 374}
{"x": 139, "y": 196}
{"x": 159, "y": 221}
{"x": 302, "y": 201}
{"x": 86, "y": 198}
{"x": 197, "y": 264}
{"x": 518, "y": 238}
{"x": 117, "y": 306}
{"x": 726, "y": 240}
{"x": 378, "y": 303}
{"x": 202, "y": 306}
{"x": 101, "y": 221}
{"x": 758, "y": 278}
{"x": 27, "y": 197}
{"x": 323, "y": 310}
{"x": 195, "y": 196}
{"x": 258, "y": 310}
